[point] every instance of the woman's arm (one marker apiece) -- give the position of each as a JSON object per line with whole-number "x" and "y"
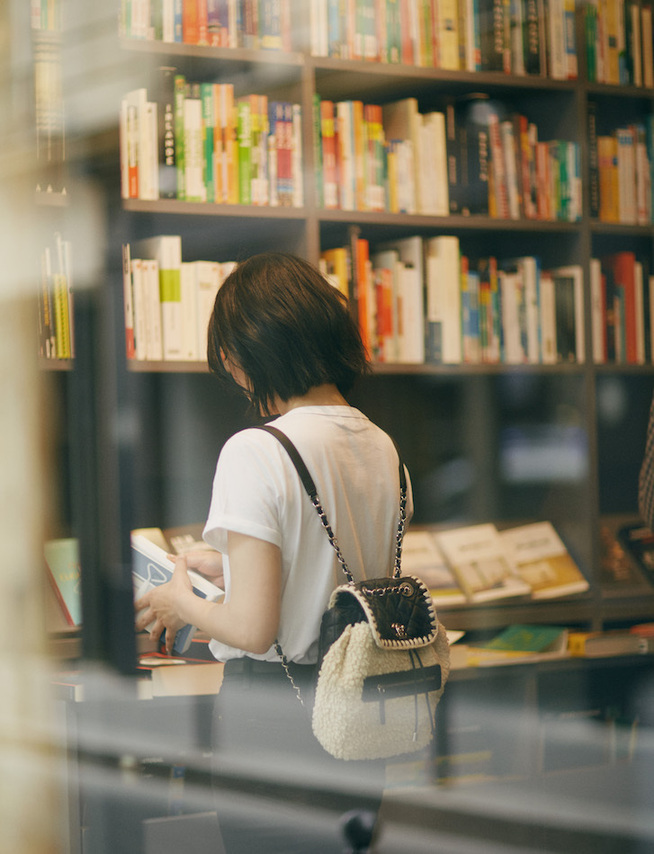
{"x": 249, "y": 621}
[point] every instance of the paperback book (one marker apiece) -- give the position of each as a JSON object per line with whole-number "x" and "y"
{"x": 542, "y": 560}
{"x": 152, "y": 567}
{"x": 476, "y": 556}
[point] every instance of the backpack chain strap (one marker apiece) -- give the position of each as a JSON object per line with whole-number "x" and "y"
{"x": 399, "y": 537}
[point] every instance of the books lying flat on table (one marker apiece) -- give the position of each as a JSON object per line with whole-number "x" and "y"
{"x": 422, "y": 557}
{"x": 520, "y": 643}
{"x": 542, "y": 560}
{"x": 152, "y": 567}
{"x": 478, "y": 560}
{"x": 477, "y": 563}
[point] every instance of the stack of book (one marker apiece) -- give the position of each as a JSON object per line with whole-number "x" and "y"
{"x": 622, "y": 307}
{"x": 620, "y": 173}
{"x": 473, "y": 157}
{"x": 254, "y": 24}
{"x": 56, "y": 321}
{"x": 198, "y": 142}
{"x": 168, "y": 302}
{"x": 518, "y": 38}
{"x": 619, "y": 42}
{"x": 423, "y": 300}
{"x": 477, "y": 564}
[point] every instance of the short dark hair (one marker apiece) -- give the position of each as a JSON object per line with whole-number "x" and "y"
{"x": 286, "y": 327}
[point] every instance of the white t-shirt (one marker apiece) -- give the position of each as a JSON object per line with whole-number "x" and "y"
{"x": 257, "y": 491}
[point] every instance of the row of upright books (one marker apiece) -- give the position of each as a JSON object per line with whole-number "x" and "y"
{"x": 254, "y": 24}
{"x": 620, "y": 173}
{"x": 197, "y": 142}
{"x": 418, "y": 300}
{"x": 475, "y": 157}
{"x": 522, "y": 37}
{"x": 618, "y": 35}
{"x": 168, "y": 302}
{"x": 55, "y": 315}
{"x": 622, "y": 307}
{"x": 421, "y": 300}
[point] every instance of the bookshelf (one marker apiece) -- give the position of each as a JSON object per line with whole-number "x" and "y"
{"x": 486, "y": 406}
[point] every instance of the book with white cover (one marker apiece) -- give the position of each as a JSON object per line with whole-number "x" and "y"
{"x": 443, "y": 285}
{"x": 476, "y": 555}
{"x": 152, "y": 310}
{"x": 411, "y": 287}
{"x": 189, "y": 300}
{"x": 166, "y": 250}
{"x": 422, "y": 557}
{"x": 152, "y": 567}
{"x": 208, "y": 279}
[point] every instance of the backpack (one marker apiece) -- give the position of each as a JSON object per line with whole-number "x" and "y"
{"x": 383, "y": 656}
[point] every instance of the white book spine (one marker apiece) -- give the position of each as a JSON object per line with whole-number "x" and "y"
{"x": 140, "y": 309}
{"x": 152, "y": 301}
{"x": 190, "y": 351}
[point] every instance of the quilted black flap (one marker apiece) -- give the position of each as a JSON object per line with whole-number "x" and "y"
{"x": 400, "y": 610}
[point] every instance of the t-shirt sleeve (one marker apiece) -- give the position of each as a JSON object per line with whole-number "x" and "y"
{"x": 246, "y": 492}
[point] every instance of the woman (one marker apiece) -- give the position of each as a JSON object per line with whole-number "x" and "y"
{"x": 287, "y": 338}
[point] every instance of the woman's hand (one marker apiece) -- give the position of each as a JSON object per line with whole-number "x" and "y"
{"x": 161, "y": 606}
{"x": 207, "y": 562}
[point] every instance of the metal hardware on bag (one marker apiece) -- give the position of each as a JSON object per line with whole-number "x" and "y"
{"x": 287, "y": 671}
{"x": 402, "y": 590}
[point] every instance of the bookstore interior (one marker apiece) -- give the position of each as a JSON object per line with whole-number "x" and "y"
{"x": 475, "y": 177}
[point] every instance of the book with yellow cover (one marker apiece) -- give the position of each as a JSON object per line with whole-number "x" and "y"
{"x": 476, "y": 556}
{"x": 542, "y": 560}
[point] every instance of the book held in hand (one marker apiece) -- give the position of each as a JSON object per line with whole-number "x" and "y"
{"x": 152, "y": 567}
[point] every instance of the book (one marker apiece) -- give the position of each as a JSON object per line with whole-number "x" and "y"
{"x": 476, "y": 555}
{"x": 167, "y": 162}
{"x": 543, "y": 561}
{"x": 128, "y": 303}
{"x": 519, "y": 643}
{"x": 152, "y": 567}
{"x": 569, "y": 304}
{"x": 63, "y": 568}
{"x": 422, "y": 557}
{"x": 638, "y": 541}
{"x": 443, "y": 298}
{"x": 618, "y": 569}
{"x": 410, "y": 298}
{"x": 616, "y": 642}
{"x": 529, "y": 639}
{"x": 166, "y": 250}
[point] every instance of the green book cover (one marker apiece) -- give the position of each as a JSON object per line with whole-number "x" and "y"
{"x": 526, "y": 638}
{"x": 244, "y": 135}
{"x": 62, "y": 562}
{"x": 208, "y": 127}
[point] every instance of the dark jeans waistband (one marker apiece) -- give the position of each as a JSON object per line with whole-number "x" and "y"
{"x": 252, "y": 667}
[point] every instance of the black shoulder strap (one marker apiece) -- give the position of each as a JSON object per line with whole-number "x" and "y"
{"x": 310, "y": 487}
{"x": 297, "y": 460}
{"x": 302, "y": 470}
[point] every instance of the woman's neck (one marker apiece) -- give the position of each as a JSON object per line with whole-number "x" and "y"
{"x": 321, "y": 395}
